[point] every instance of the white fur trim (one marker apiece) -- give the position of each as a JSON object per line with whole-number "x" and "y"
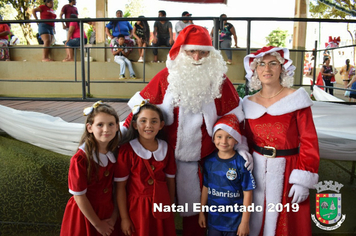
{"x": 290, "y": 103}
{"x": 210, "y": 116}
{"x": 248, "y": 69}
{"x": 196, "y": 47}
{"x": 189, "y": 136}
{"x": 188, "y": 185}
{"x": 135, "y": 100}
{"x": 258, "y": 194}
{"x": 238, "y": 111}
{"x": 269, "y": 177}
{"x": 167, "y": 108}
{"x": 304, "y": 178}
{"x": 236, "y": 135}
{"x": 274, "y": 192}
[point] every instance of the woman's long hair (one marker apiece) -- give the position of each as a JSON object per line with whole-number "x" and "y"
{"x": 132, "y": 133}
{"x": 146, "y": 29}
{"x": 347, "y": 64}
{"x": 91, "y": 145}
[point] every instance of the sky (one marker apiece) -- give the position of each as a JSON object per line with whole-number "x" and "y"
{"x": 234, "y": 8}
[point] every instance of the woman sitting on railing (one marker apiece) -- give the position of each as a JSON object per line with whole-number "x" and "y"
{"x": 73, "y": 38}
{"x": 46, "y": 30}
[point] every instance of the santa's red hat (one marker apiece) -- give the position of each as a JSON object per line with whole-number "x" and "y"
{"x": 230, "y": 124}
{"x": 284, "y": 52}
{"x": 192, "y": 37}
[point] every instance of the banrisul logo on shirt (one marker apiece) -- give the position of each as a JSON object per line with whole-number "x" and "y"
{"x": 328, "y": 206}
{"x": 231, "y": 174}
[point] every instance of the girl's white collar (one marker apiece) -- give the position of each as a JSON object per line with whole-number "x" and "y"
{"x": 104, "y": 158}
{"x": 158, "y": 155}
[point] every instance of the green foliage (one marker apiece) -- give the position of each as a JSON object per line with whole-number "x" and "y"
{"x": 277, "y": 38}
{"x": 332, "y": 9}
{"x": 22, "y": 11}
{"x": 33, "y": 188}
{"x": 241, "y": 90}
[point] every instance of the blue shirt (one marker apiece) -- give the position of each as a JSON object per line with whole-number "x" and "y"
{"x": 122, "y": 27}
{"x": 226, "y": 179}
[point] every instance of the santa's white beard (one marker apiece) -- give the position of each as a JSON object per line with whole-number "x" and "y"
{"x": 193, "y": 83}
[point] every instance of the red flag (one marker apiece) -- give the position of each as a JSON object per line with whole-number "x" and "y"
{"x": 198, "y": 1}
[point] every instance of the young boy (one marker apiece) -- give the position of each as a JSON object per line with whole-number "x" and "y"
{"x": 227, "y": 184}
{"x": 121, "y": 53}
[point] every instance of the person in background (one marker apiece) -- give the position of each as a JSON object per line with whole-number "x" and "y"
{"x": 121, "y": 53}
{"x": 4, "y": 41}
{"x": 141, "y": 32}
{"x": 345, "y": 72}
{"x": 280, "y": 130}
{"x": 120, "y": 27}
{"x": 73, "y": 39}
{"x": 144, "y": 160}
{"x": 225, "y": 41}
{"x": 67, "y": 11}
{"x": 92, "y": 210}
{"x": 352, "y": 85}
{"x": 46, "y": 29}
{"x": 328, "y": 75}
{"x": 162, "y": 34}
{"x": 180, "y": 25}
{"x": 224, "y": 172}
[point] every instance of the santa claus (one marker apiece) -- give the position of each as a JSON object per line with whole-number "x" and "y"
{"x": 193, "y": 92}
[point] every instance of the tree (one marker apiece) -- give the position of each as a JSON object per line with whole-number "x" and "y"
{"x": 277, "y": 38}
{"x": 24, "y": 11}
{"x": 334, "y": 9}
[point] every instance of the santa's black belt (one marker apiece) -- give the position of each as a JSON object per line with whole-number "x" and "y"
{"x": 268, "y": 151}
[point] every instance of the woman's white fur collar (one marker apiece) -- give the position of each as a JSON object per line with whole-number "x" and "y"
{"x": 298, "y": 100}
{"x": 158, "y": 155}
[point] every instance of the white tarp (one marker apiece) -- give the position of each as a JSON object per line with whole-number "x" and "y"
{"x": 335, "y": 124}
{"x": 42, "y": 130}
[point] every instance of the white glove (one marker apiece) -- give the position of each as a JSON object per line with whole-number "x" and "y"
{"x": 247, "y": 157}
{"x": 300, "y": 193}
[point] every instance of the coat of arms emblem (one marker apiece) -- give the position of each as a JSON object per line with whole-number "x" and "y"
{"x": 328, "y": 206}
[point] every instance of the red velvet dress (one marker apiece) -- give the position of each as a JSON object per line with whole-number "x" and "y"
{"x": 131, "y": 167}
{"x": 99, "y": 191}
{"x": 286, "y": 124}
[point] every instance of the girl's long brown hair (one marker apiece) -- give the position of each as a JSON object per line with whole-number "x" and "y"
{"x": 91, "y": 145}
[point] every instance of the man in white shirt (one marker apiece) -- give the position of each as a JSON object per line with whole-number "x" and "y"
{"x": 183, "y": 23}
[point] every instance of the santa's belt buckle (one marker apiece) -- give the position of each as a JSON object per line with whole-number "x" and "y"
{"x": 274, "y": 151}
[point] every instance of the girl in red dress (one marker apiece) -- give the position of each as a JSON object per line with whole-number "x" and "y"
{"x": 144, "y": 150}
{"x": 91, "y": 209}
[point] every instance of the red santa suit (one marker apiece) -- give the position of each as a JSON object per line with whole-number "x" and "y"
{"x": 285, "y": 125}
{"x": 190, "y": 132}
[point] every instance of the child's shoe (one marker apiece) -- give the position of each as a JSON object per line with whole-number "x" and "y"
{"x": 133, "y": 77}
{"x": 140, "y": 59}
{"x": 122, "y": 77}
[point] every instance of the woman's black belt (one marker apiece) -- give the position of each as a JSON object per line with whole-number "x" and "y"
{"x": 272, "y": 152}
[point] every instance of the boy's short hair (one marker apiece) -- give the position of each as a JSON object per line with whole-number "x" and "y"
{"x": 121, "y": 36}
{"x": 162, "y": 12}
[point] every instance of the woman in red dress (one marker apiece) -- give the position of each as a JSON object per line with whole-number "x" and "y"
{"x": 281, "y": 133}
{"x": 135, "y": 187}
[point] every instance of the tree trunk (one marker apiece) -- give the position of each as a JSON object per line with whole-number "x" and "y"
{"x": 27, "y": 32}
